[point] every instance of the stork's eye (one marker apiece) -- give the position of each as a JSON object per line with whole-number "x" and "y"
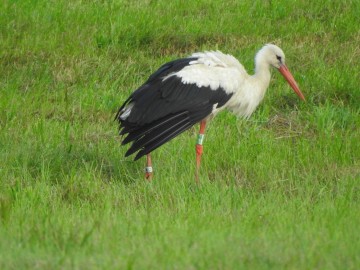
{"x": 278, "y": 58}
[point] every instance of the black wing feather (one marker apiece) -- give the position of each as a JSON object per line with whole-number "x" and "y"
{"x": 162, "y": 109}
{"x": 156, "y": 134}
{"x": 147, "y": 128}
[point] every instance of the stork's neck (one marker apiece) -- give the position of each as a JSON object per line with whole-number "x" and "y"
{"x": 262, "y": 74}
{"x": 248, "y": 97}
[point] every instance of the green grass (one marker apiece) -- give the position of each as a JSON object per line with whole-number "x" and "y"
{"x": 278, "y": 191}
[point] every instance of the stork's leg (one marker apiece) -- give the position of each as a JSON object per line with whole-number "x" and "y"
{"x": 148, "y": 168}
{"x": 199, "y": 148}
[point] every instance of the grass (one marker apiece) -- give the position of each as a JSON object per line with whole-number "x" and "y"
{"x": 278, "y": 191}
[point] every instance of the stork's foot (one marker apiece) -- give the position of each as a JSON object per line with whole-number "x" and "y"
{"x": 148, "y": 168}
{"x": 148, "y": 175}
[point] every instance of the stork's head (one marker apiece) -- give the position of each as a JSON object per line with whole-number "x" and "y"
{"x": 274, "y": 56}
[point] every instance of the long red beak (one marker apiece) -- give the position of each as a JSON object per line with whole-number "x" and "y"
{"x": 290, "y": 79}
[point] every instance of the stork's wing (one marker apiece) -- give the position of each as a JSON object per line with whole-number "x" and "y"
{"x": 165, "y": 106}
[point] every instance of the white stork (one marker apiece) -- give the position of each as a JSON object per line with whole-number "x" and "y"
{"x": 190, "y": 90}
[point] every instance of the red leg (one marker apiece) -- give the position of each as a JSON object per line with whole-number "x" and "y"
{"x": 199, "y": 148}
{"x": 148, "y": 168}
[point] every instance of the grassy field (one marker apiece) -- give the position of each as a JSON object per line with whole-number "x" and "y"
{"x": 278, "y": 191}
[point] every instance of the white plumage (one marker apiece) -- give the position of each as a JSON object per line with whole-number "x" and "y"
{"x": 214, "y": 70}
